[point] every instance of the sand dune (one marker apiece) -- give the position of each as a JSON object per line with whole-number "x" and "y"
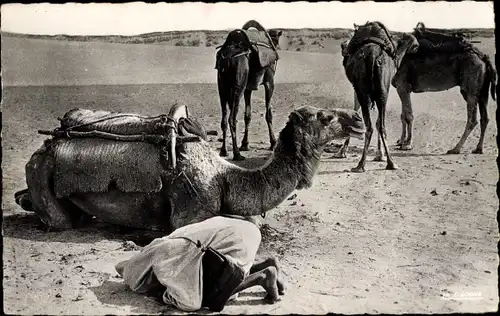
{"x": 41, "y": 62}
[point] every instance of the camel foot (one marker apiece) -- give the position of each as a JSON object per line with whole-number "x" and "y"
{"x": 223, "y": 153}
{"x": 405, "y": 147}
{"x": 339, "y": 155}
{"x": 244, "y": 147}
{"x": 379, "y": 158}
{"x": 391, "y": 166}
{"x": 238, "y": 157}
{"x": 400, "y": 142}
{"x": 453, "y": 151}
{"x": 358, "y": 169}
{"x": 477, "y": 151}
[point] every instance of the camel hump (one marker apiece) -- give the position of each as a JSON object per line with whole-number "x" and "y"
{"x": 371, "y": 32}
{"x": 253, "y": 24}
{"x": 84, "y": 165}
{"x": 252, "y": 37}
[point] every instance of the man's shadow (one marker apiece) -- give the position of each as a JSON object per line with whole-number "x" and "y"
{"x": 118, "y": 294}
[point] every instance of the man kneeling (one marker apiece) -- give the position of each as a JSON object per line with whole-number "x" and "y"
{"x": 203, "y": 265}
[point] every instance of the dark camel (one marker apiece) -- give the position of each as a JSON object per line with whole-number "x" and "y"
{"x": 238, "y": 74}
{"x": 370, "y": 70}
{"x": 470, "y": 70}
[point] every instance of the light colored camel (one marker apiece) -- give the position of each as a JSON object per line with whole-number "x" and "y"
{"x": 203, "y": 184}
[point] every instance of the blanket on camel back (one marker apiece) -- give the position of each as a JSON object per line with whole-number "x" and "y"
{"x": 372, "y": 32}
{"x": 83, "y": 165}
{"x": 255, "y": 38}
{"x": 432, "y": 41}
{"x": 83, "y": 120}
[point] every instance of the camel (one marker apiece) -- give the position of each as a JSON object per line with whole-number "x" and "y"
{"x": 240, "y": 70}
{"x": 469, "y": 69}
{"x": 370, "y": 64}
{"x": 67, "y": 181}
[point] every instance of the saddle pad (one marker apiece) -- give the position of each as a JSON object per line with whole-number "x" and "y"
{"x": 434, "y": 42}
{"x": 90, "y": 165}
{"x": 368, "y": 31}
{"x": 111, "y": 122}
{"x": 257, "y": 36}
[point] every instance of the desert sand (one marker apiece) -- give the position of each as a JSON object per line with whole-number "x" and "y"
{"x": 421, "y": 239}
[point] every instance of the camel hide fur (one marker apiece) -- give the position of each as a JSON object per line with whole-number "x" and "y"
{"x": 85, "y": 165}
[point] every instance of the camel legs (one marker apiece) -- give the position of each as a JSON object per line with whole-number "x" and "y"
{"x": 223, "y": 123}
{"x": 342, "y": 153}
{"x": 483, "y": 111}
{"x": 368, "y": 135}
{"x": 248, "y": 118}
{"x": 471, "y": 122}
{"x": 269, "y": 90}
{"x": 381, "y": 131}
{"x": 234, "y": 107}
{"x": 265, "y": 274}
{"x": 378, "y": 154}
{"x": 405, "y": 142}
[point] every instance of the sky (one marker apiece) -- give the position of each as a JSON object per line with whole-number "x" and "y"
{"x": 139, "y": 17}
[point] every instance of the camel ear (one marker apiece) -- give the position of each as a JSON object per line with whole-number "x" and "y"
{"x": 280, "y": 33}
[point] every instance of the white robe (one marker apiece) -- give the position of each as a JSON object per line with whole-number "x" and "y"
{"x": 176, "y": 263}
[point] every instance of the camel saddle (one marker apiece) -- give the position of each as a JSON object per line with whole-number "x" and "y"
{"x": 432, "y": 41}
{"x": 372, "y": 32}
{"x": 95, "y": 148}
{"x": 255, "y": 38}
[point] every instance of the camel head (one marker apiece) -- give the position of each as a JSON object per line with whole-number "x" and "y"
{"x": 275, "y": 37}
{"x": 322, "y": 126}
{"x": 408, "y": 43}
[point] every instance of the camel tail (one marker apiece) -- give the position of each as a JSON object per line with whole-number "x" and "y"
{"x": 490, "y": 80}
{"x": 493, "y": 78}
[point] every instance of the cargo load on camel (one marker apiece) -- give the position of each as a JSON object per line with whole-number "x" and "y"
{"x": 252, "y": 39}
{"x": 96, "y": 149}
{"x": 371, "y": 32}
{"x": 434, "y": 41}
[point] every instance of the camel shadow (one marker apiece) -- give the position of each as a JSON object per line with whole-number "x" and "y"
{"x": 27, "y": 226}
{"x": 118, "y": 294}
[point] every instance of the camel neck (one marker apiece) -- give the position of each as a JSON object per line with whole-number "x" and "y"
{"x": 253, "y": 192}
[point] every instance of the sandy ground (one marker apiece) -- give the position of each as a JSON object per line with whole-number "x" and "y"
{"x": 420, "y": 239}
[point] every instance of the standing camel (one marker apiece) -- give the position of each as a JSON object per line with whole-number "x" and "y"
{"x": 468, "y": 69}
{"x": 240, "y": 70}
{"x": 370, "y": 64}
